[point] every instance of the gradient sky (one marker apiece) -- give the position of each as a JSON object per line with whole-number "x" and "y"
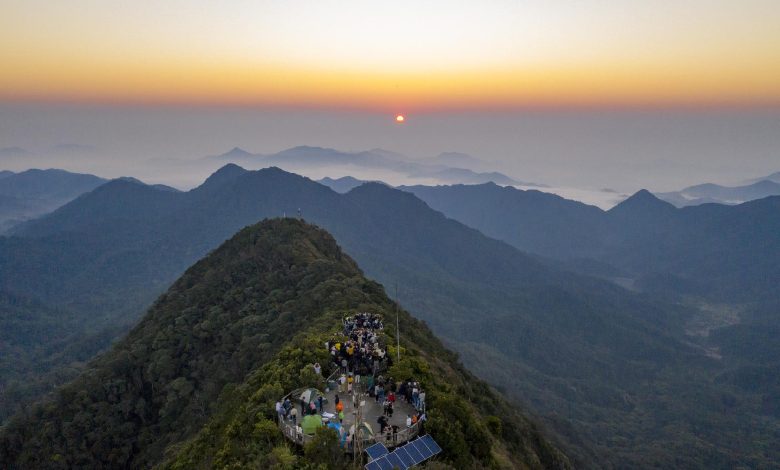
{"x": 585, "y": 94}
{"x": 395, "y": 56}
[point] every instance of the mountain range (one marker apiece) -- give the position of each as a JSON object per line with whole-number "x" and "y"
{"x": 726, "y": 253}
{"x": 304, "y": 158}
{"x": 193, "y": 385}
{"x": 620, "y": 377}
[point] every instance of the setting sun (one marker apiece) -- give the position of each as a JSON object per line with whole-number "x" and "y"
{"x": 400, "y": 118}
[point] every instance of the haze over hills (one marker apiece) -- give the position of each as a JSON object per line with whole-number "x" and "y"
{"x": 344, "y": 184}
{"x": 573, "y": 348}
{"x": 306, "y": 159}
{"x": 200, "y": 373}
{"x": 32, "y": 193}
{"x": 715, "y": 193}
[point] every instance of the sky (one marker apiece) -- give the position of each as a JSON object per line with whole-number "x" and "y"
{"x": 587, "y": 94}
{"x": 401, "y": 55}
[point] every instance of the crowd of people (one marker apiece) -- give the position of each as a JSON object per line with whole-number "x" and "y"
{"x": 360, "y": 359}
{"x": 361, "y": 353}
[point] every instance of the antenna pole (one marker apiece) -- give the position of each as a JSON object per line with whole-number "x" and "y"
{"x": 397, "y": 328}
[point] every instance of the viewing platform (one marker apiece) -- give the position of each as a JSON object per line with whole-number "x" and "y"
{"x": 372, "y": 407}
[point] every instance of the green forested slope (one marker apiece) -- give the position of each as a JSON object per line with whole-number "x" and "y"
{"x": 193, "y": 385}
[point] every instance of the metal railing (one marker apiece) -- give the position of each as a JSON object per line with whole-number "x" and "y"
{"x": 296, "y": 435}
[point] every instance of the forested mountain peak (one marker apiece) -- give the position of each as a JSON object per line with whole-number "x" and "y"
{"x": 641, "y": 202}
{"x": 226, "y": 173}
{"x": 194, "y": 383}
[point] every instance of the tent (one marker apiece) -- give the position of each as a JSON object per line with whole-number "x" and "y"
{"x": 311, "y": 423}
{"x": 339, "y": 429}
{"x": 311, "y": 394}
{"x": 364, "y": 431}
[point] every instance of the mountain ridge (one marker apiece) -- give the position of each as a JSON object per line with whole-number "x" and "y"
{"x": 227, "y": 318}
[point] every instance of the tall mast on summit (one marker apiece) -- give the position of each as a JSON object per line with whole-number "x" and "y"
{"x": 397, "y": 328}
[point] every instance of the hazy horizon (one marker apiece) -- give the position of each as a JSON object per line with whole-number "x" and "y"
{"x": 623, "y": 150}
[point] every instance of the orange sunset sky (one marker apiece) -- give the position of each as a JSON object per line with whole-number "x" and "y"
{"x": 432, "y": 55}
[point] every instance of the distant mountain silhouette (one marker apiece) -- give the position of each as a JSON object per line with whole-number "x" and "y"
{"x": 713, "y": 193}
{"x": 341, "y": 185}
{"x": 237, "y": 152}
{"x": 458, "y": 160}
{"x": 773, "y": 177}
{"x": 642, "y": 211}
{"x": 298, "y": 158}
{"x": 32, "y": 193}
{"x": 534, "y": 221}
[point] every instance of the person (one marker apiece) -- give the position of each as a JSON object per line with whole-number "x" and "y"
{"x": 303, "y": 405}
{"x": 382, "y": 421}
{"x": 343, "y": 383}
{"x": 395, "y": 434}
{"x": 317, "y": 368}
{"x": 319, "y": 402}
{"x": 336, "y": 400}
{"x": 286, "y": 405}
{"x": 421, "y": 398}
{"x": 408, "y": 421}
{"x": 421, "y": 420}
{"x": 341, "y": 416}
{"x": 312, "y": 408}
{"x": 294, "y": 416}
{"x": 279, "y": 410}
{"x": 340, "y": 407}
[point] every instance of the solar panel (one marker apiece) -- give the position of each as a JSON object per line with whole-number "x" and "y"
{"x": 377, "y": 450}
{"x": 414, "y": 453}
{"x": 422, "y": 448}
{"x": 373, "y": 465}
{"x": 384, "y": 464}
{"x": 404, "y": 456}
{"x": 428, "y": 440}
{"x": 396, "y": 461}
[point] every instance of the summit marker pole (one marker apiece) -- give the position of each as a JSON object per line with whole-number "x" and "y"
{"x": 397, "y": 328}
